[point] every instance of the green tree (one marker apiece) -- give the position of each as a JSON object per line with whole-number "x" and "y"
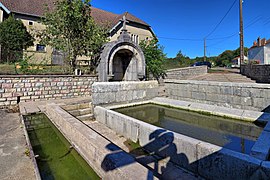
{"x": 154, "y": 58}
{"x": 14, "y": 37}
{"x": 237, "y": 52}
{"x": 70, "y": 28}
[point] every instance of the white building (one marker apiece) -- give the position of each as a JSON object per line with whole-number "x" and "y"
{"x": 260, "y": 51}
{"x": 236, "y": 61}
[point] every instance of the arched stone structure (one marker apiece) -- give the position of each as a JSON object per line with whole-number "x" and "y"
{"x": 121, "y": 60}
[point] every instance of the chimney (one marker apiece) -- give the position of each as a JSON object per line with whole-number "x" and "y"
{"x": 263, "y": 42}
{"x": 259, "y": 42}
{"x": 254, "y": 43}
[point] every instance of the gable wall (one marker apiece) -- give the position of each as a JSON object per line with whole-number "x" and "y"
{"x": 134, "y": 30}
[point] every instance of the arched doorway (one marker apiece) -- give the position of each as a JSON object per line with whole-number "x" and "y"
{"x": 121, "y": 60}
{"x": 121, "y": 68}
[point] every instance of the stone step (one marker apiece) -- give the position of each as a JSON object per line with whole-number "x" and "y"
{"x": 77, "y": 106}
{"x": 86, "y": 117}
{"x": 80, "y": 112}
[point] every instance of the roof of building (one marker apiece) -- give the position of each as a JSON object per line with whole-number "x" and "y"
{"x": 37, "y": 8}
{"x": 260, "y": 43}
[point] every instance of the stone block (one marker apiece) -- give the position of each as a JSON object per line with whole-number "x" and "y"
{"x": 7, "y": 85}
{"x": 7, "y": 95}
{"x": 3, "y": 99}
{"x": 10, "y": 90}
{"x": 267, "y": 127}
{"x": 213, "y": 89}
{"x": 100, "y": 114}
{"x": 265, "y": 167}
{"x": 258, "y": 103}
{"x": 228, "y": 90}
{"x": 212, "y": 97}
{"x": 261, "y": 148}
{"x": 225, "y": 164}
{"x": 247, "y": 101}
{"x": 231, "y": 112}
{"x": 237, "y": 91}
{"x": 25, "y": 97}
{"x": 198, "y": 95}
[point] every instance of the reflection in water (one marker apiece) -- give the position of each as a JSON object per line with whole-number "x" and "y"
{"x": 232, "y": 134}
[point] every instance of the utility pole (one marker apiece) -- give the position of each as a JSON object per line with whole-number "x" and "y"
{"x": 204, "y": 58}
{"x": 241, "y": 33}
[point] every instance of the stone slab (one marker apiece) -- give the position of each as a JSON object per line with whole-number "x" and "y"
{"x": 260, "y": 149}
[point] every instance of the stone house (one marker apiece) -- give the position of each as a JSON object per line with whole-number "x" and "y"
{"x": 260, "y": 51}
{"x": 30, "y": 12}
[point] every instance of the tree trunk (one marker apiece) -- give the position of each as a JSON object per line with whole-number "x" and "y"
{"x": 73, "y": 63}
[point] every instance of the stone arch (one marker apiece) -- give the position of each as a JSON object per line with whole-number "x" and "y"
{"x": 124, "y": 55}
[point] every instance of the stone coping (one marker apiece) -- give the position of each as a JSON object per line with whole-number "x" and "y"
{"x": 44, "y": 76}
{"x": 216, "y": 83}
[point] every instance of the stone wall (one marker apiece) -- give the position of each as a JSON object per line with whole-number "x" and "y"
{"x": 184, "y": 73}
{"x": 15, "y": 89}
{"x": 122, "y": 92}
{"x": 260, "y": 73}
{"x": 249, "y": 96}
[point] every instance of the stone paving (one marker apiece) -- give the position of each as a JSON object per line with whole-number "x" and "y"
{"x": 224, "y": 77}
{"x": 14, "y": 163}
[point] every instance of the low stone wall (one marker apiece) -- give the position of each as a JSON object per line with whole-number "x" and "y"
{"x": 184, "y": 73}
{"x": 15, "y": 89}
{"x": 248, "y": 96}
{"x": 122, "y": 92}
{"x": 260, "y": 73}
{"x": 205, "y": 159}
{"x": 107, "y": 159}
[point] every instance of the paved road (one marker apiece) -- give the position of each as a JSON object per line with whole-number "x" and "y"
{"x": 229, "y": 75}
{"x": 14, "y": 164}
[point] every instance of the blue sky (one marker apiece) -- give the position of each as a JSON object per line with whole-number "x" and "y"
{"x": 173, "y": 20}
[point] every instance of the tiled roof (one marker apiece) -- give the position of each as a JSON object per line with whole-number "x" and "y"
{"x": 37, "y": 8}
{"x": 29, "y": 7}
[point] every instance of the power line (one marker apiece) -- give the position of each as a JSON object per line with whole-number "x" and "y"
{"x": 252, "y": 22}
{"x": 179, "y": 39}
{"x": 221, "y": 20}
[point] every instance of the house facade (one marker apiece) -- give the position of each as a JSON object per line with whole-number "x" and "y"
{"x": 260, "y": 51}
{"x": 30, "y": 12}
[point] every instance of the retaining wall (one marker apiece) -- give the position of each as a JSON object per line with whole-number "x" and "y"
{"x": 122, "y": 92}
{"x": 260, "y": 73}
{"x": 250, "y": 96}
{"x": 33, "y": 88}
{"x": 184, "y": 73}
{"x": 207, "y": 160}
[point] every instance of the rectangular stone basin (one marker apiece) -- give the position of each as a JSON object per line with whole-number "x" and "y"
{"x": 56, "y": 158}
{"x": 225, "y": 132}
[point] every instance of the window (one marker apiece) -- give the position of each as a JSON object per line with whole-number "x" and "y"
{"x": 30, "y": 23}
{"x": 41, "y": 48}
